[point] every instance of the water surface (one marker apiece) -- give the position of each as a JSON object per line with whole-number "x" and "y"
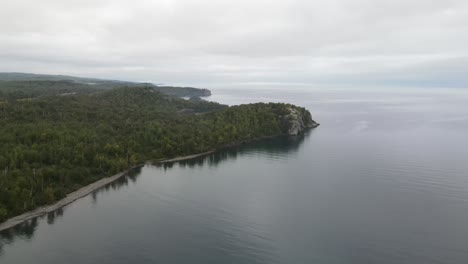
{"x": 384, "y": 179}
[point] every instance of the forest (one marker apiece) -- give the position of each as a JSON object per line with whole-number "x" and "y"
{"x": 57, "y": 136}
{"x": 42, "y": 84}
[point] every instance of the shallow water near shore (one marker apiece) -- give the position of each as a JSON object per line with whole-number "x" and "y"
{"x": 384, "y": 179}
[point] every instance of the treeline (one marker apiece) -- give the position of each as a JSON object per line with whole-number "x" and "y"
{"x": 15, "y": 90}
{"x": 53, "y": 145}
{"x": 26, "y": 89}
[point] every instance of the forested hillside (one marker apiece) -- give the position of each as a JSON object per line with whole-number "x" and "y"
{"x": 52, "y": 145}
{"x": 11, "y": 81}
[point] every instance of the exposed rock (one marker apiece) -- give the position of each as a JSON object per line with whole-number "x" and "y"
{"x": 299, "y": 120}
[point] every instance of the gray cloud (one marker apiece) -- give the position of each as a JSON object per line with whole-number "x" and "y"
{"x": 413, "y": 42}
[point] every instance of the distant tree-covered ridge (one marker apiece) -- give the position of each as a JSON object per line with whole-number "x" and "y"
{"x": 56, "y": 83}
{"x": 53, "y": 143}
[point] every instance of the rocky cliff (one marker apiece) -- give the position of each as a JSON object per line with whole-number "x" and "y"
{"x": 298, "y": 120}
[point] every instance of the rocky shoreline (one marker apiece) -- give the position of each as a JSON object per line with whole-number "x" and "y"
{"x": 82, "y": 192}
{"x": 71, "y": 197}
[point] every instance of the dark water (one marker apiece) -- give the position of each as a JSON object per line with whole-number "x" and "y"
{"x": 383, "y": 180}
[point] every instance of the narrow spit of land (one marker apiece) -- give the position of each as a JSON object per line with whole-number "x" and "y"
{"x": 80, "y": 193}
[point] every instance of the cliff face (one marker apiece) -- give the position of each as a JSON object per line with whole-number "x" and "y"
{"x": 298, "y": 120}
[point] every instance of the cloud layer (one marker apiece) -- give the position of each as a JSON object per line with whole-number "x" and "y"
{"x": 372, "y": 42}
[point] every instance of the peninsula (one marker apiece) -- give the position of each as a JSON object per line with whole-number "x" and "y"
{"x": 59, "y": 135}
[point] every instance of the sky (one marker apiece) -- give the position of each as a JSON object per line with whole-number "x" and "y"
{"x": 189, "y": 42}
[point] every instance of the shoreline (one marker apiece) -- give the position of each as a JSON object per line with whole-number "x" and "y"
{"x": 70, "y": 198}
{"x": 84, "y": 191}
{"x": 88, "y": 189}
{"x": 186, "y": 157}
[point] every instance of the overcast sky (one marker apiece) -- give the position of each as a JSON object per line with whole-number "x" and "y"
{"x": 360, "y": 42}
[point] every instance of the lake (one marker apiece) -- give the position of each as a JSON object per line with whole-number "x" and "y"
{"x": 384, "y": 179}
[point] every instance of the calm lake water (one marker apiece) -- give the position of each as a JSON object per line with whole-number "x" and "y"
{"x": 384, "y": 179}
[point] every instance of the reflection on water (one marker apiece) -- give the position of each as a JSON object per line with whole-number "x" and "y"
{"x": 121, "y": 182}
{"x": 383, "y": 180}
{"x": 23, "y": 231}
{"x": 26, "y": 229}
{"x": 271, "y": 148}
